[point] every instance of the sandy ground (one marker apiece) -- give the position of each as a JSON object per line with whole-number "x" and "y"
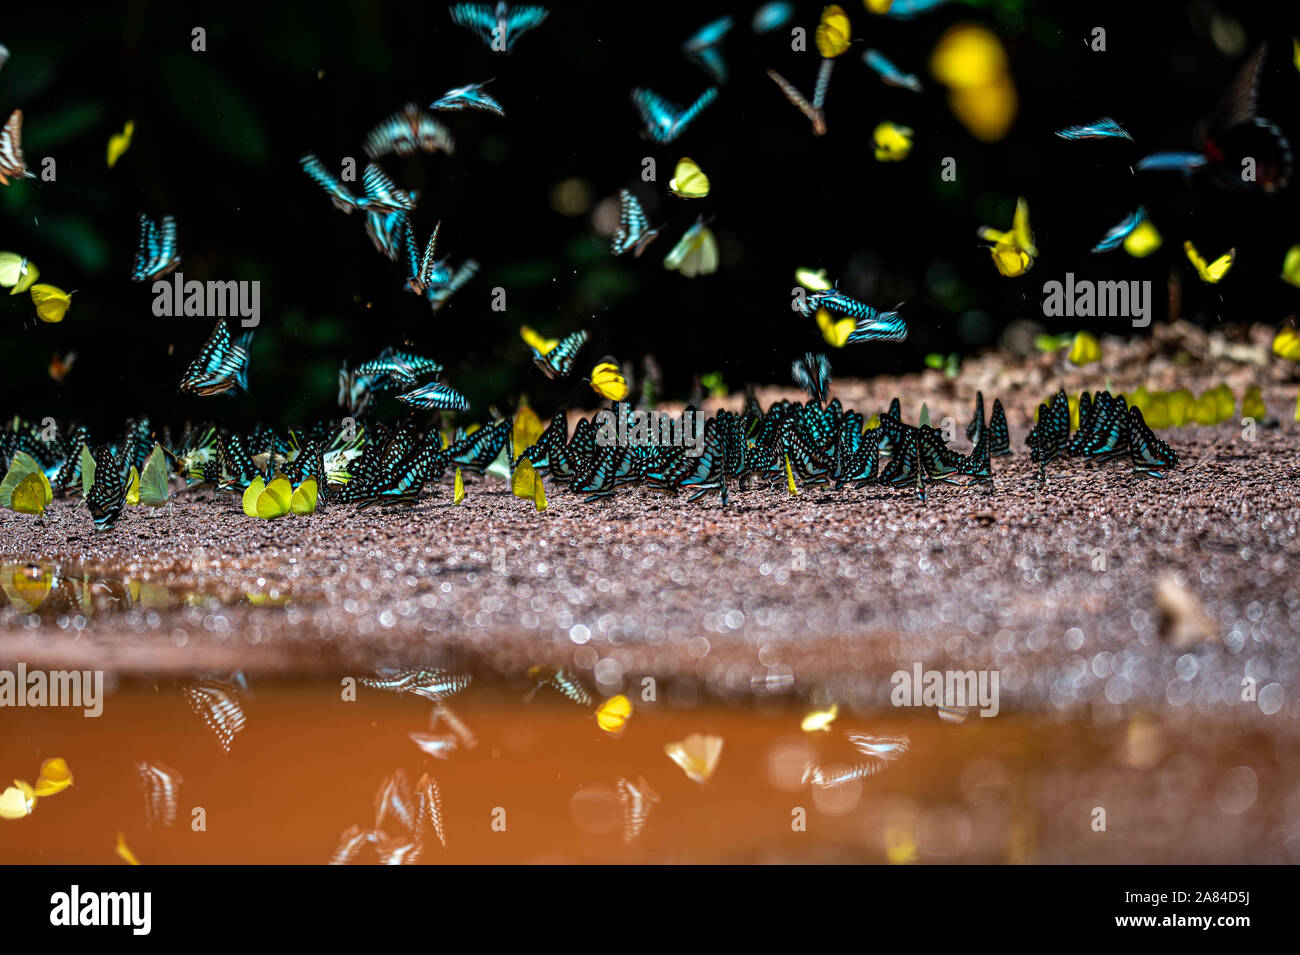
{"x": 1098, "y": 590}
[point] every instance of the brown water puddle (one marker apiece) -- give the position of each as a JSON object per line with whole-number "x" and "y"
{"x": 540, "y": 781}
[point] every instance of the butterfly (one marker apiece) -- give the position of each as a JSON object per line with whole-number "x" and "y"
{"x": 689, "y": 180}
{"x": 558, "y": 361}
{"x": 429, "y": 806}
{"x": 771, "y": 16}
{"x": 812, "y": 373}
{"x": 12, "y": 165}
{"x": 445, "y": 281}
{"x": 833, "y": 33}
{"x": 431, "y": 683}
{"x": 107, "y": 494}
{"x": 812, "y": 110}
{"x": 381, "y": 194}
{"x": 4, "y": 55}
{"x": 696, "y": 252}
{"x": 61, "y": 365}
{"x": 153, "y": 483}
{"x": 119, "y": 143}
{"x": 702, "y": 48}
{"x": 501, "y": 27}
{"x": 387, "y": 230}
{"x": 1233, "y": 133}
{"x": 408, "y": 131}
{"x": 477, "y": 451}
{"x": 633, "y": 232}
{"x": 977, "y": 426}
{"x": 435, "y": 395}
{"x": 608, "y": 382}
{"x": 468, "y": 97}
{"x": 222, "y": 365}
{"x": 161, "y": 785}
{"x": 1118, "y": 235}
{"x": 17, "y": 273}
{"x": 1014, "y": 251}
{"x": 1150, "y": 455}
{"x": 394, "y": 369}
{"x": 697, "y": 755}
{"x": 51, "y": 302}
{"x": 420, "y": 268}
{"x": 890, "y": 74}
{"x": 1210, "y": 272}
{"x": 1050, "y": 437}
{"x": 999, "y": 436}
{"x": 156, "y": 253}
{"x": 636, "y": 798}
{"x": 25, "y": 488}
{"x": 892, "y": 142}
{"x": 665, "y": 121}
{"x": 560, "y": 679}
{"x": 1104, "y": 128}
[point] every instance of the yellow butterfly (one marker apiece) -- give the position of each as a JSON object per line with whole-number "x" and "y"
{"x": 17, "y": 801}
{"x": 54, "y": 778}
{"x": 304, "y": 497}
{"x": 608, "y": 382}
{"x": 124, "y": 851}
{"x": 1287, "y": 344}
{"x": 527, "y": 428}
{"x": 877, "y": 6}
{"x": 613, "y": 714}
{"x": 1143, "y": 240}
{"x": 789, "y": 476}
{"x": 697, "y": 755}
{"x": 1086, "y": 349}
{"x": 1014, "y": 251}
{"x": 832, "y": 34}
{"x": 534, "y": 340}
{"x": 525, "y": 482}
{"x": 119, "y": 143}
{"x": 893, "y": 142}
{"x": 458, "y": 489}
{"x": 17, "y": 272}
{"x": 820, "y": 719}
{"x": 1291, "y": 266}
{"x": 696, "y": 252}
{"x": 1252, "y": 405}
{"x": 1210, "y": 272}
{"x": 813, "y": 281}
{"x": 689, "y": 181}
{"x": 51, "y": 303}
{"x": 25, "y": 472}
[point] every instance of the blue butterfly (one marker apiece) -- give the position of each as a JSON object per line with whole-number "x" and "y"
{"x": 812, "y": 373}
{"x": 222, "y": 365}
{"x": 702, "y": 48}
{"x": 1114, "y": 238}
{"x": 1104, "y": 128}
{"x": 498, "y": 28}
{"x": 387, "y": 228}
{"x": 156, "y": 254}
{"x": 1171, "y": 162}
{"x": 772, "y": 16}
{"x": 408, "y": 131}
{"x": 107, "y": 495}
{"x": 435, "y": 395}
{"x": 889, "y": 73}
{"x": 381, "y": 194}
{"x": 634, "y": 230}
{"x": 468, "y": 97}
{"x": 665, "y": 121}
{"x": 558, "y": 362}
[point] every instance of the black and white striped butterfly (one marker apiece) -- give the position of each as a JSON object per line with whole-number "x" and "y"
{"x": 435, "y": 396}
{"x": 408, "y": 131}
{"x": 156, "y": 254}
{"x": 381, "y": 193}
{"x": 633, "y": 232}
{"x": 558, "y": 362}
{"x": 419, "y": 268}
{"x": 222, "y": 365}
{"x": 498, "y": 27}
{"x": 217, "y": 705}
{"x": 432, "y": 683}
{"x": 161, "y": 785}
{"x": 12, "y": 165}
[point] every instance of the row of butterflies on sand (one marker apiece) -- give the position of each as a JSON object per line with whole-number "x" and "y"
{"x": 815, "y": 443}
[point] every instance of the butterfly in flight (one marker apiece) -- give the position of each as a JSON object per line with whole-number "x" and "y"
{"x": 1116, "y": 236}
{"x": 1233, "y": 133}
{"x": 557, "y": 362}
{"x": 696, "y": 252}
{"x": 665, "y": 121}
{"x": 11, "y": 152}
{"x": 222, "y": 365}
{"x": 501, "y": 27}
{"x": 160, "y": 784}
{"x": 1104, "y": 128}
{"x": 436, "y": 395}
{"x": 633, "y": 232}
{"x": 1210, "y": 272}
{"x": 408, "y": 131}
{"x": 156, "y": 254}
{"x": 420, "y": 268}
{"x": 812, "y": 373}
{"x": 381, "y": 194}
{"x": 702, "y": 48}
{"x": 468, "y": 97}
{"x": 890, "y": 74}
{"x": 218, "y": 706}
{"x": 812, "y": 110}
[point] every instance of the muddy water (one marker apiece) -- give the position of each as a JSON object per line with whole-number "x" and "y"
{"x": 539, "y": 782}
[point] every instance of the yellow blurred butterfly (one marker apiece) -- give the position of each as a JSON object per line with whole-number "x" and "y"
{"x": 697, "y": 755}
{"x": 689, "y": 181}
{"x": 119, "y": 143}
{"x": 613, "y": 714}
{"x": 696, "y": 252}
{"x": 1014, "y": 251}
{"x": 525, "y": 482}
{"x": 17, "y": 272}
{"x": 534, "y": 340}
{"x": 814, "y": 281}
{"x": 893, "y": 142}
{"x": 832, "y": 35}
{"x": 820, "y": 719}
{"x": 527, "y": 428}
{"x": 51, "y": 302}
{"x": 458, "y": 489}
{"x": 835, "y": 331}
{"x": 1143, "y": 240}
{"x": 1210, "y": 272}
{"x": 608, "y": 382}
{"x": 1291, "y": 266}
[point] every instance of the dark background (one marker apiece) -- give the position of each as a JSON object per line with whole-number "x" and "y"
{"x": 219, "y": 133}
